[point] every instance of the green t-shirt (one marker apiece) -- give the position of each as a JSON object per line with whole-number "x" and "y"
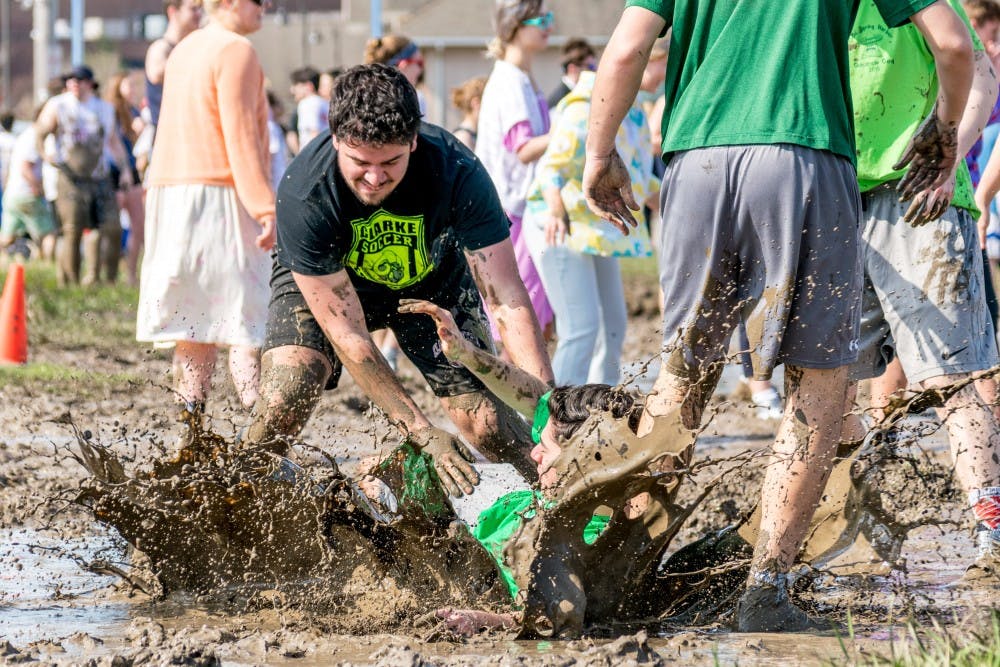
{"x": 499, "y": 522}
{"x": 893, "y": 87}
{"x": 746, "y": 72}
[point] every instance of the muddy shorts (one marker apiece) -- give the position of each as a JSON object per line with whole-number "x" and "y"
{"x": 924, "y": 294}
{"x": 766, "y": 233}
{"x": 290, "y": 322}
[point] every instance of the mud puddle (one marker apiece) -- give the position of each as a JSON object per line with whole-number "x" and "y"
{"x": 54, "y": 610}
{"x": 48, "y": 600}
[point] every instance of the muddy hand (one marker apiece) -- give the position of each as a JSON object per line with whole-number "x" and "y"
{"x": 930, "y": 204}
{"x": 931, "y": 155}
{"x": 608, "y": 189}
{"x": 452, "y": 341}
{"x": 452, "y": 459}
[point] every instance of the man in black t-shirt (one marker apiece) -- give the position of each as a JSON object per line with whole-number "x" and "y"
{"x": 379, "y": 209}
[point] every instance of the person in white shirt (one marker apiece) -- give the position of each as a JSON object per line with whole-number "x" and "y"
{"x": 25, "y": 210}
{"x": 312, "y": 110}
{"x": 85, "y": 131}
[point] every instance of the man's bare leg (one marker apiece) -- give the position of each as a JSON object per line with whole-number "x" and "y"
{"x": 291, "y": 381}
{"x": 973, "y": 432}
{"x": 793, "y": 485}
{"x": 670, "y": 391}
{"x": 887, "y": 384}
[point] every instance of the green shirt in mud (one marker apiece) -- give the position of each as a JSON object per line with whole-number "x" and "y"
{"x": 893, "y": 86}
{"x": 497, "y": 524}
{"x": 500, "y": 522}
{"x": 761, "y": 72}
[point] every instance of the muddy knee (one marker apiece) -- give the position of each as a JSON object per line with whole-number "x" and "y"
{"x": 291, "y": 381}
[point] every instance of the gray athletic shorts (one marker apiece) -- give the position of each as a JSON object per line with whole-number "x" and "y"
{"x": 924, "y": 295}
{"x": 769, "y": 234}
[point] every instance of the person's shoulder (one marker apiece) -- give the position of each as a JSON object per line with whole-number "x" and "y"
{"x": 309, "y": 169}
{"x": 442, "y": 152}
{"x": 158, "y": 49}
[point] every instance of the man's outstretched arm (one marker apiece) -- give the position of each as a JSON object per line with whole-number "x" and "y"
{"x": 606, "y": 182}
{"x": 515, "y": 387}
{"x": 336, "y": 307}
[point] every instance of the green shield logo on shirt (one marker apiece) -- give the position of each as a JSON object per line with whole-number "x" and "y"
{"x": 389, "y": 249}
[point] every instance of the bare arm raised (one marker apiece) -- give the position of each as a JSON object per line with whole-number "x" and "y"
{"x": 494, "y": 268}
{"x": 515, "y": 387}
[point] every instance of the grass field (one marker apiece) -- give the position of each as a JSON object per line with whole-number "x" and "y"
{"x": 80, "y": 339}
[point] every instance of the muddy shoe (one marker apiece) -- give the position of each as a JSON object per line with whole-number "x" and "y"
{"x": 768, "y": 609}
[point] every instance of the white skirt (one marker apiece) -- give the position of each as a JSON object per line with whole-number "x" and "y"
{"x": 203, "y": 278}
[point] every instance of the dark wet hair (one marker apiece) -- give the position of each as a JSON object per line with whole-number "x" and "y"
{"x": 306, "y": 75}
{"x": 571, "y": 406}
{"x": 7, "y": 120}
{"x": 374, "y": 104}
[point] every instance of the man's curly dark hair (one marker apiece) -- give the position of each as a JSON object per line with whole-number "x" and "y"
{"x": 374, "y": 104}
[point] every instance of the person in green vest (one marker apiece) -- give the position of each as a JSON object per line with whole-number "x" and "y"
{"x": 924, "y": 292}
{"x": 760, "y": 220}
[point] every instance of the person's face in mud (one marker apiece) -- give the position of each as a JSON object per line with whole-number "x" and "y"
{"x": 544, "y": 455}
{"x": 372, "y": 172}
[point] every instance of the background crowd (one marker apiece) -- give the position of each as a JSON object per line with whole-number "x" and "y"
{"x": 75, "y": 181}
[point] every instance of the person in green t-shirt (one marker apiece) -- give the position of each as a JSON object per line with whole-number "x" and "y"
{"x": 924, "y": 294}
{"x": 556, "y": 413}
{"x": 760, "y": 214}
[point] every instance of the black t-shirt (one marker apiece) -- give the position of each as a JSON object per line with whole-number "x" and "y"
{"x": 407, "y": 246}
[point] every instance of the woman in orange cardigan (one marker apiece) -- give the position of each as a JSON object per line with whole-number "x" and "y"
{"x": 210, "y": 208}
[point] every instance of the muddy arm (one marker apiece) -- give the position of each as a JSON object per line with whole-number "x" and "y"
{"x": 494, "y": 269}
{"x": 335, "y": 304}
{"x": 606, "y": 182}
{"x": 515, "y": 387}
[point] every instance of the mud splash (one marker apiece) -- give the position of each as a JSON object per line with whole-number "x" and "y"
{"x": 255, "y": 532}
{"x": 250, "y": 528}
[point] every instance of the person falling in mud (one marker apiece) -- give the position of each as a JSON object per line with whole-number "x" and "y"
{"x": 924, "y": 295}
{"x": 760, "y": 215}
{"x": 382, "y": 187}
{"x": 557, "y": 415}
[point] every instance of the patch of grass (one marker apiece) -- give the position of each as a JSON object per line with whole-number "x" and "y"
{"x": 938, "y": 646}
{"x": 53, "y": 377}
{"x": 76, "y": 336}
{"x": 95, "y": 317}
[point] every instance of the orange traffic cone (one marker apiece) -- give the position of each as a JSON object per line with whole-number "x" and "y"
{"x": 13, "y": 327}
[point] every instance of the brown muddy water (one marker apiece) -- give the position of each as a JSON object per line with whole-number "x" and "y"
{"x": 59, "y": 605}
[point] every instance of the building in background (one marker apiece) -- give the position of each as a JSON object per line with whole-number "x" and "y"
{"x": 323, "y": 33}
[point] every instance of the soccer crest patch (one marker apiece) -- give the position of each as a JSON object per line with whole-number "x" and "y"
{"x": 389, "y": 249}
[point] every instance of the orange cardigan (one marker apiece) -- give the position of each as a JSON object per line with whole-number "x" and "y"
{"x": 213, "y": 120}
